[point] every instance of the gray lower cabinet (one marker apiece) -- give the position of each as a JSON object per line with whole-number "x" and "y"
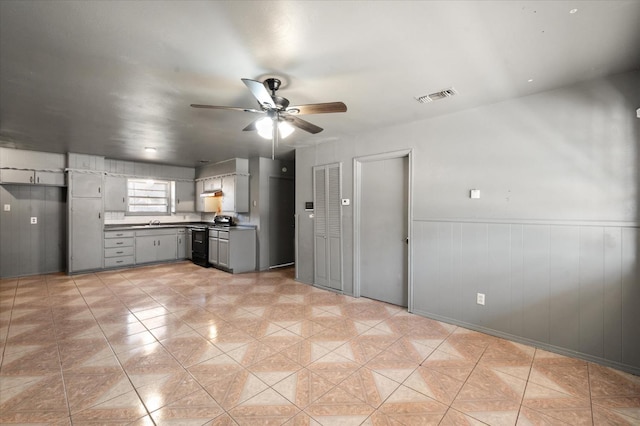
{"x": 86, "y": 234}
{"x": 182, "y": 243}
{"x": 189, "y": 248}
{"x": 233, "y": 250}
{"x": 118, "y": 249}
{"x": 155, "y": 245}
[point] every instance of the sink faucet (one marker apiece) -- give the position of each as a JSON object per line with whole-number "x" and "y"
{"x": 154, "y": 222}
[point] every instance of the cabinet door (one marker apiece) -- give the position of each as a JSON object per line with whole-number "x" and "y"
{"x": 212, "y": 183}
{"x": 185, "y": 196}
{"x": 17, "y": 176}
{"x": 86, "y": 185}
{"x": 146, "y": 249}
{"x": 86, "y": 234}
{"x": 182, "y": 245}
{"x": 189, "y": 247}
{"x": 115, "y": 194}
{"x": 213, "y": 250}
{"x": 199, "y": 199}
{"x": 223, "y": 253}
{"x": 229, "y": 194}
{"x": 50, "y": 178}
{"x": 166, "y": 246}
{"x": 241, "y": 193}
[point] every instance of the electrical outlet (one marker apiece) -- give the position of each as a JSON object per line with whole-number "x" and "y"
{"x": 34, "y": 220}
{"x": 480, "y": 299}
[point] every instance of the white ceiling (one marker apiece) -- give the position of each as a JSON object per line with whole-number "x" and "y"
{"x": 112, "y": 77}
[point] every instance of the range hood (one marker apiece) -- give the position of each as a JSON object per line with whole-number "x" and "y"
{"x": 212, "y": 193}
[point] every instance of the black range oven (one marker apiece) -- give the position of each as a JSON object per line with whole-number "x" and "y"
{"x": 200, "y": 246}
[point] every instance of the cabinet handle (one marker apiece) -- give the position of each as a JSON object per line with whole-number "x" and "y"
{"x": 38, "y": 179}
{"x": 99, "y": 215}
{"x": 30, "y": 179}
{"x": 120, "y": 243}
{"x": 119, "y": 235}
{"x": 154, "y": 243}
{"x": 99, "y": 190}
{"x": 158, "y": 242}
{"x": 123, "y": 200}
{"x": 119, "y": 261}
{"x": 119, "y": 252}
{"x": 179, "y": 240}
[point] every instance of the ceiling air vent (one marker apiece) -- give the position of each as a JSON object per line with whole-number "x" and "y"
{"x": 446, "y": 93}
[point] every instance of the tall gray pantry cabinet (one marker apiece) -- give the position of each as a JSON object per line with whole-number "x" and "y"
{"x": 86, "y": 220}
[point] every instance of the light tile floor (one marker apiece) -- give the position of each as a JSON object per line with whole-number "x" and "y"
{"x": 181, "y": 344}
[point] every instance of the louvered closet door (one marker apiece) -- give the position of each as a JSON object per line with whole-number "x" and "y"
{"x": 327, "y": 226}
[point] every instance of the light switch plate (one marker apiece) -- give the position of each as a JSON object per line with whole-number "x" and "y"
{"x": 7, "y": 207}
{"x": 480, "y": 299}
{"x": 474, "y": 193}
{"x": 34, "y": 220}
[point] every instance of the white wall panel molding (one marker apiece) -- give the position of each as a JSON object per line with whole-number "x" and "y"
{"x": 598, "y": 223}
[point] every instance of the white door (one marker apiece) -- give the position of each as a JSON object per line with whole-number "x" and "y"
{"x": 383, "y": 232}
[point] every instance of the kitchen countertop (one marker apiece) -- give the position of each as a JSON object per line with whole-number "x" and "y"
{"x": 127, "y": 227}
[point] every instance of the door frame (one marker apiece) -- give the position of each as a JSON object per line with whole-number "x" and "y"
{"x": 357, "y": 195}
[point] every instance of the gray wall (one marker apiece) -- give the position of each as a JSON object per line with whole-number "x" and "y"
{"x": 27, "y": 249}
{"x": 552, "y": 241}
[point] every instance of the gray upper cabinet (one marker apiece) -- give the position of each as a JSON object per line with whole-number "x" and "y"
{"x": 199, "y": 200}
{"x": 87, "y": 185}
{"x": 235, "y": 193}
{"x": 31, "y": 167}
{"x": 185, "y": 196}
{"x": 115, "y": 194}
{"x": 32, "y": 177}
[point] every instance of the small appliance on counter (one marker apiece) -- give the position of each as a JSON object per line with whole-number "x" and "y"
{"x": 222, "y": 221}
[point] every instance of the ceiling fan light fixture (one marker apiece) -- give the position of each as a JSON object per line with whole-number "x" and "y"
{"x": 285, "y": 129}
{"x": 264, "y": 126}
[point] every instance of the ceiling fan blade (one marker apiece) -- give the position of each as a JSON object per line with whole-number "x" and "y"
{"x": 227, "y": 108}
{"x": 251, "y": 126}
{"x": 303, "y": 124}
{"x": 323, "y": 108}
{"x": 260, "y": 92}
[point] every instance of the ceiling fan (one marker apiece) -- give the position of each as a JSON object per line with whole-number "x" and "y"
{"x": 278, "y": 110}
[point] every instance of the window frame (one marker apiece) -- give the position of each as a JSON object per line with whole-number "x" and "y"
{"x": 169, "y": 198}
